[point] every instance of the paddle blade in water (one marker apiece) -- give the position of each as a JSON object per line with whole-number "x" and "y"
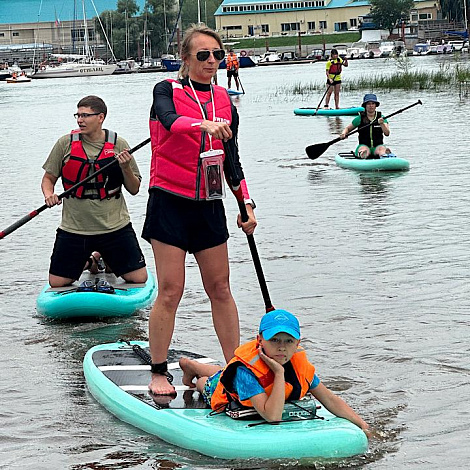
{"x": 315, "y": 150}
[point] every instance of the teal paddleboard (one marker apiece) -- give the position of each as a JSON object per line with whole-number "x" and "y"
{"x": 234, "y": 92}
{"x": 67, "y": 302}
{"x": 348, "y": 160}
{"x": 118, "y": 378}
{"x": 328, "y": 112}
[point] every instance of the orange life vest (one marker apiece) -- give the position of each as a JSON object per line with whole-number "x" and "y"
{"x": 299, "y": 373}
{"x": 232, "y": 62}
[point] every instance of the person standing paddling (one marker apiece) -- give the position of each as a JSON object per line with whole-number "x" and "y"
{"x": 232, "y": 69}
{"x": 334, "y": 66}
{"x": 190, "y": 119}
{"x": 95, "y": 217}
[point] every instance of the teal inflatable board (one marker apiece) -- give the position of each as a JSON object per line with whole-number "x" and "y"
{"x": 118, "y": 378}
{"x": 328, "y": 112}
{"x": 68, "y": 302}
{"x": 348, "y": 160}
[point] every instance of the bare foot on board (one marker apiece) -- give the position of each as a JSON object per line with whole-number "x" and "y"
{"x": 189, "y": 371}
{"x": 159, "y": 385}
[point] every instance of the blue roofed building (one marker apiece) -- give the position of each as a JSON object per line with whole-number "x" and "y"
{"x": 242, "y": 18}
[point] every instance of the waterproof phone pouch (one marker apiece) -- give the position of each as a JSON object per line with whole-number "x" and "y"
{"x": 213, "y": 171}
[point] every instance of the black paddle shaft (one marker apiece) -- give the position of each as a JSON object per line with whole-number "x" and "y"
{"x": 324, "y": 94}
{"x": 235, "y": 180}
{"x": 31, "y": 215}
{"x": 314, "y": 151}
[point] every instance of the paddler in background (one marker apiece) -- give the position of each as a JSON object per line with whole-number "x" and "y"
{"x": 371, "y": 142}
{"x": 232, "y": 68}
{"x": 334, "y": 67}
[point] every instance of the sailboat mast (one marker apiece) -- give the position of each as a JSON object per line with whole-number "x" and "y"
{"x": 165, "y": 26}
{"x": 465, "y": 17}
{"x": 87, "y": 50}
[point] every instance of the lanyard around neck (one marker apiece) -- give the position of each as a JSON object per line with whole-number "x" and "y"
{"x": 201, "y": 108}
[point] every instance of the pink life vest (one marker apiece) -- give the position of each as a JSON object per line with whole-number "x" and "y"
{"x": 176, "y": 166}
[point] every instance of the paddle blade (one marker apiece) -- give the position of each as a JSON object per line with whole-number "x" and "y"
{"x": 314, "y": 151}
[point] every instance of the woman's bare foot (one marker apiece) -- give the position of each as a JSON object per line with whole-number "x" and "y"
{"x": 189, "y": 371}
{"x": 159, "y": 385}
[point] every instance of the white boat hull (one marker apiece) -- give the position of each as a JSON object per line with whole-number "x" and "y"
{"x": 74, "y": 70}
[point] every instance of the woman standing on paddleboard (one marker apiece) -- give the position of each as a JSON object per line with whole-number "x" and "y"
{"x": 190, "y": 120}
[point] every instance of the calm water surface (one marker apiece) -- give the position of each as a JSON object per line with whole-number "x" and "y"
{"x": 375, "y": 266}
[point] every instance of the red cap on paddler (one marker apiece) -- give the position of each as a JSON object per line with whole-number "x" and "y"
{"x": 279, "y": 321}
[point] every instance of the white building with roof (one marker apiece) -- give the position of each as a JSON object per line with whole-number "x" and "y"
{"x": 242, "y": 18}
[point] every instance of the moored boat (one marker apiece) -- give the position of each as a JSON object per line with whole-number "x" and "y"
{"x": 328, "y": 112}
{"x": 22, "y": 78}
{"x": 171, "y": 64}
{"x": 118, "y": 379}
{"x": 73, "y": 302}
{"x": 351, "y": 162}
{"x": 74, "y": 66}
{"x": 421, "y": 49}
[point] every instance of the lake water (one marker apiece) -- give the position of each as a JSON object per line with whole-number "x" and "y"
{"x": 375, "y": 266}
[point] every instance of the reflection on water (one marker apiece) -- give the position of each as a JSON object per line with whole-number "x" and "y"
{"x": 336, "y": 124}
{"x": 377, "y": 184}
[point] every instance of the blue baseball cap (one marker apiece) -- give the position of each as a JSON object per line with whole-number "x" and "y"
{"x": 370, "y": 98}
{"x": 279, "y": 321}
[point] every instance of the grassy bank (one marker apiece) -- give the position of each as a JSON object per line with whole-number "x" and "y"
{"x": 405, "y": 79}
{"x": 293, "y": 41}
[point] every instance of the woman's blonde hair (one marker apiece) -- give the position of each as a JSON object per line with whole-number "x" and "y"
{"x": 189, "y": 34}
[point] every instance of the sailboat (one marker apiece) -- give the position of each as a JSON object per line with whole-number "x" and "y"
{"x": 75, "y": 65}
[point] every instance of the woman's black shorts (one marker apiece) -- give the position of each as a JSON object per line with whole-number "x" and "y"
{"x": 185, "y": 223}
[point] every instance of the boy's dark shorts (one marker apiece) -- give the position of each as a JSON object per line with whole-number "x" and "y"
{"x": 190, "y": 225}
{"x": 119, "y": 249}
{"x": 232, "y": 73}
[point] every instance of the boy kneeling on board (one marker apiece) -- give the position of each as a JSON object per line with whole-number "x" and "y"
{"x": 265, "y": 373}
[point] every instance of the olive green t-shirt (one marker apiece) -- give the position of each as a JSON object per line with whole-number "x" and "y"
{"x": 89, "y": 216}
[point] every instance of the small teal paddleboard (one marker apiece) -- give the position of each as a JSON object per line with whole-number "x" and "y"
{"x": 328, "y": 112}
{"x": 234, "y": 92}
{"x": 67, "y": 302}
{"x": 348, "y": 160}
{"x": 118, "y": 378}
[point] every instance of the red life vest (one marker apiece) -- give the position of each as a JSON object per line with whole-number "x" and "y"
{"x": 299, "y": 373}
{"x": 176, "y": 166}
{"x": 335, "y": 68}
{"x": 77, "y": 167}
{"x": 232, "y": 62}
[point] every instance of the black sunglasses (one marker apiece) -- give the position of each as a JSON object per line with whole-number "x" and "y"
{"x": 218, "y": 54}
